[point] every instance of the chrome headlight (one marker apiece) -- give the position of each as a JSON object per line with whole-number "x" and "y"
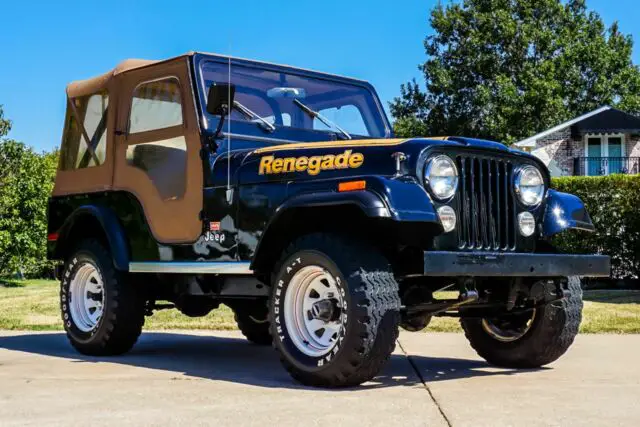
{"x": 441, "y": 175}
{"x": 529, "y": 186}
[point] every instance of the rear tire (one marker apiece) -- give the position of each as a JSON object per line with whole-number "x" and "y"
{"x": 334, "y": 311}
{"x": 551, "y": 333}
{"x": 102, "y": 312}
{"x": 253, "y": 322}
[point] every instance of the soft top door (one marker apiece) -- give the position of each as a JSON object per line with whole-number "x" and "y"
{"x": 157, "y": 149}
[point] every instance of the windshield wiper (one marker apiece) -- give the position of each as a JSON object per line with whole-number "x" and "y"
{"x": 323, "y": 119}
{"x": 253, "y": 116}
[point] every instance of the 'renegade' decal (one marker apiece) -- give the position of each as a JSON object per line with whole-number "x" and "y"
{"x": 313, "y": 165}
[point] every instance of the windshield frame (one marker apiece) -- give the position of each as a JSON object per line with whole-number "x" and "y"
{"x": 209, "y": 121}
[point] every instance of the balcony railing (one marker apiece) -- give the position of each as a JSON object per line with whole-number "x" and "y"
{"x": 595, "y": 166}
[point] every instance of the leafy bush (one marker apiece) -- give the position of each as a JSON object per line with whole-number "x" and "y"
{"x": 613, "y": 202}
{"x": 26, "y": 180}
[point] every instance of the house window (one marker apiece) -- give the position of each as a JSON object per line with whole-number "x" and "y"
{"x": 616, "y": 159}
{"x": 604, "y": 154}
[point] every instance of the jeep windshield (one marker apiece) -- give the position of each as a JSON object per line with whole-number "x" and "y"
{"x": 336, "y": 108}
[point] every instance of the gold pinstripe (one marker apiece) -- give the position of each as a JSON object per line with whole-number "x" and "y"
{"x": 333, "y": 144}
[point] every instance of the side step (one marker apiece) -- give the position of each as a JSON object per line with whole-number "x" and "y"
{"x": 202, "y": 267}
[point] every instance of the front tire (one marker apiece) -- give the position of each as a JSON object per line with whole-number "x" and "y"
{"x": 334, "y": 311}
{"x": 548, "y": 335}
{"x": 102, "y": 312}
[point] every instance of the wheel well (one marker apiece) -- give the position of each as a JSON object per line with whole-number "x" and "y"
{"x": 388, "y": 235}
{"x": 84, "y": 227}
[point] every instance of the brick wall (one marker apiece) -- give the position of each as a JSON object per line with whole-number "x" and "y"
{"x": 557, "y": 151}
{"x": 632, "y": 146}
{"x": 632, "y": 149}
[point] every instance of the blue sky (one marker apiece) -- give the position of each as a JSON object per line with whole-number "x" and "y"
{"x": 49, "y": 43}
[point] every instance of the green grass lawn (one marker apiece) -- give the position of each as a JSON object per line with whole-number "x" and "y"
{"x": 33, "y": 305}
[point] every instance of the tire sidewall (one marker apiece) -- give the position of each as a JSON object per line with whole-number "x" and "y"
{"x": 549, "y": 319}
{"x": 80, "y": 257}
{"x": 281, "y": 335}
{"x": 552, "y": 332}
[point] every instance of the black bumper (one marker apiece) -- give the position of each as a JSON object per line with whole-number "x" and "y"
{"x": 514, "y": 264}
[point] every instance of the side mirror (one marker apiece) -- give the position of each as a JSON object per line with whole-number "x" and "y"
{"x": 219, "y": 98}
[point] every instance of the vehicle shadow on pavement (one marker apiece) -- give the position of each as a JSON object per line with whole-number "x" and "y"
{"x": 236, "y": 360}
{"x": 434, "y": 369}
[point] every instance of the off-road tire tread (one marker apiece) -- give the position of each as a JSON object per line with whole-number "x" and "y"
{"x": 257, "y": 333}
{"x": 124, "y": 320}
{"x": 378, "y": 309}
{"x": 559, "y": 329}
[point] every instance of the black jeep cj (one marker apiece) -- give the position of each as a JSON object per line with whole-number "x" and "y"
{"x": 281, "y": 193}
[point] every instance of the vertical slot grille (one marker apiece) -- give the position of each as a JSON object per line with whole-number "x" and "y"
{"x": 487, "y": 204}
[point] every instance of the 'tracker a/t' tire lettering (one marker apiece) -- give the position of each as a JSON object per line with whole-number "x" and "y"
{"x": 102, "y": 313}
{"x": 334, "y": 311}
{"x": 548, "y": 336}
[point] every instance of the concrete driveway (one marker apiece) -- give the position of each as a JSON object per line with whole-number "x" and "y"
{"x": 219, "y": 378}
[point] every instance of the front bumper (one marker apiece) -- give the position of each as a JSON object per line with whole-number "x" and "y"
{"x": 441, "y": 263}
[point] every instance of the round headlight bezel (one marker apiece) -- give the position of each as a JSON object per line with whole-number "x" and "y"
{"x": 431, "y": 180}
{"x": 520, "y": 192}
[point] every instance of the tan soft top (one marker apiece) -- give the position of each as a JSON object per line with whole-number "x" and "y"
{"x": 95, "y": 84}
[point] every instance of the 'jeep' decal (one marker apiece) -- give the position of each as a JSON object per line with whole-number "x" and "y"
{"x": 312, "y": 165}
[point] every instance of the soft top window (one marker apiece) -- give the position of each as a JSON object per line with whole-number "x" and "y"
{"x": 271, "y": 95}
{"x": 84, "y": 143}
{"x": 156, "y": 105}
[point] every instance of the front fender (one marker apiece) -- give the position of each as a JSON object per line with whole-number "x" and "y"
{"x": 366, "y": 201}
{"x": 396, "y": 199}
{"x": 407, "y": 200}
{"x": 399, "y": 202}
{"x": 370, "y": 204}
{"x": 563, "y": 212}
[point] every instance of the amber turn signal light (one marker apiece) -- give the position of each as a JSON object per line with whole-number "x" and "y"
{"x": 352, "y": 186}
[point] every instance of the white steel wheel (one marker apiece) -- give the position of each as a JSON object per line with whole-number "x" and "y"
{"x": 314, "y": 311}
{"x": 86, "y": 297}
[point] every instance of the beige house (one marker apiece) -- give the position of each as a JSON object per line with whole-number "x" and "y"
{"x": 601, "y": 142}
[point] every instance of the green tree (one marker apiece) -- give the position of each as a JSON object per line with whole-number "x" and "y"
{"x": 26, "y": 180}
{"x": 5, "y": 125}
{"x": 507, "y": 69}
